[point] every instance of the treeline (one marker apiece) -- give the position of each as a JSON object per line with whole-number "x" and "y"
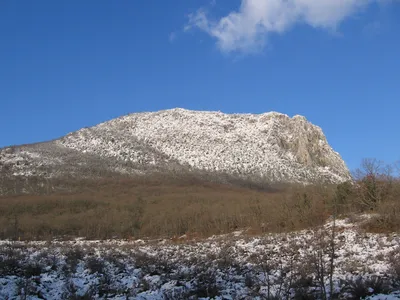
{"x": 375, "y": 190}
{"x": 166, "y": 206}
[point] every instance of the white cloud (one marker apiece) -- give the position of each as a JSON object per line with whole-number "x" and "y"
{"x": 247, "y": 29}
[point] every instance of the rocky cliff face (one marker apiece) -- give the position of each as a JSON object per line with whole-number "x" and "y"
{"x": 270, "y": 145}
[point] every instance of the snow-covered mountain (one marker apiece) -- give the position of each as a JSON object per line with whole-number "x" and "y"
{"x": 271, "y": 145}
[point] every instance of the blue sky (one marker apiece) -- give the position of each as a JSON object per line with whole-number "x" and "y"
{"x": 65, "y": 65}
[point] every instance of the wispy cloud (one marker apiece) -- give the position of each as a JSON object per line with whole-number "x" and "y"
{"x": 247, "y": 29}
{"x": 372, "y": 29}
{"x": 172, "y": 37}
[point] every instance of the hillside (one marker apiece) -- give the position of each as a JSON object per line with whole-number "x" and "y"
{"x": 271, "y": 146}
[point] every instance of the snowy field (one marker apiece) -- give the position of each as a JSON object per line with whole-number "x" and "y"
{"x": 235, "y": 266}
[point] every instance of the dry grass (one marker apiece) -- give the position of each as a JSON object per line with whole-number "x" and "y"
{"x": 171, "y": 205}
{"x": 154, "y": 207}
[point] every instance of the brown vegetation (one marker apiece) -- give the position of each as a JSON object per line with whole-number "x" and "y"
{"x": 154, "y": 207}
{"x": 167, "y": 206}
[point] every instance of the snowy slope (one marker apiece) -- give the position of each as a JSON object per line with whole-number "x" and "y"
{"x": 271, "y": 145}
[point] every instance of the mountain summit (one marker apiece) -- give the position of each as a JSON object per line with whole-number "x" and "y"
{"x": 269, "y": 145}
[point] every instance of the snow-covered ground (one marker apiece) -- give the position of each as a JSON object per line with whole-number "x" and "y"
{"x": 233, "y": 266}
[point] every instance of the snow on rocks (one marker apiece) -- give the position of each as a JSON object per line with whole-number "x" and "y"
{"x": 272, "y": 145}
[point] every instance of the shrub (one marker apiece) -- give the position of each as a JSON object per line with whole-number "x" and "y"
{"x": 72, "y": 258}
{"x": 360, "y": 288}
{"x": 206, "y": 285}
{"x": 32, "y": 270}
{"x": 95, "y": 265}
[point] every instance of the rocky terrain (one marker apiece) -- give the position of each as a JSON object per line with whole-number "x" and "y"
{"x": 272, "y": 146}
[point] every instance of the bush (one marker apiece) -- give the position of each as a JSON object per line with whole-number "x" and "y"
{"x": 206, "y": 285}
{"x": 95, "y": 265}
{"x": 32, "y": 270}
{"x": 360, "y": 288}
{"x": 72, "y": 258}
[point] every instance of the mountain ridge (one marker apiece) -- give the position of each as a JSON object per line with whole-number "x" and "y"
{"x": 270, "y": 145}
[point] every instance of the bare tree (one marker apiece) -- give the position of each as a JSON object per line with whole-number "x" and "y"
{"x": 396, "y": 167}
{"x": 375, "y": 181}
